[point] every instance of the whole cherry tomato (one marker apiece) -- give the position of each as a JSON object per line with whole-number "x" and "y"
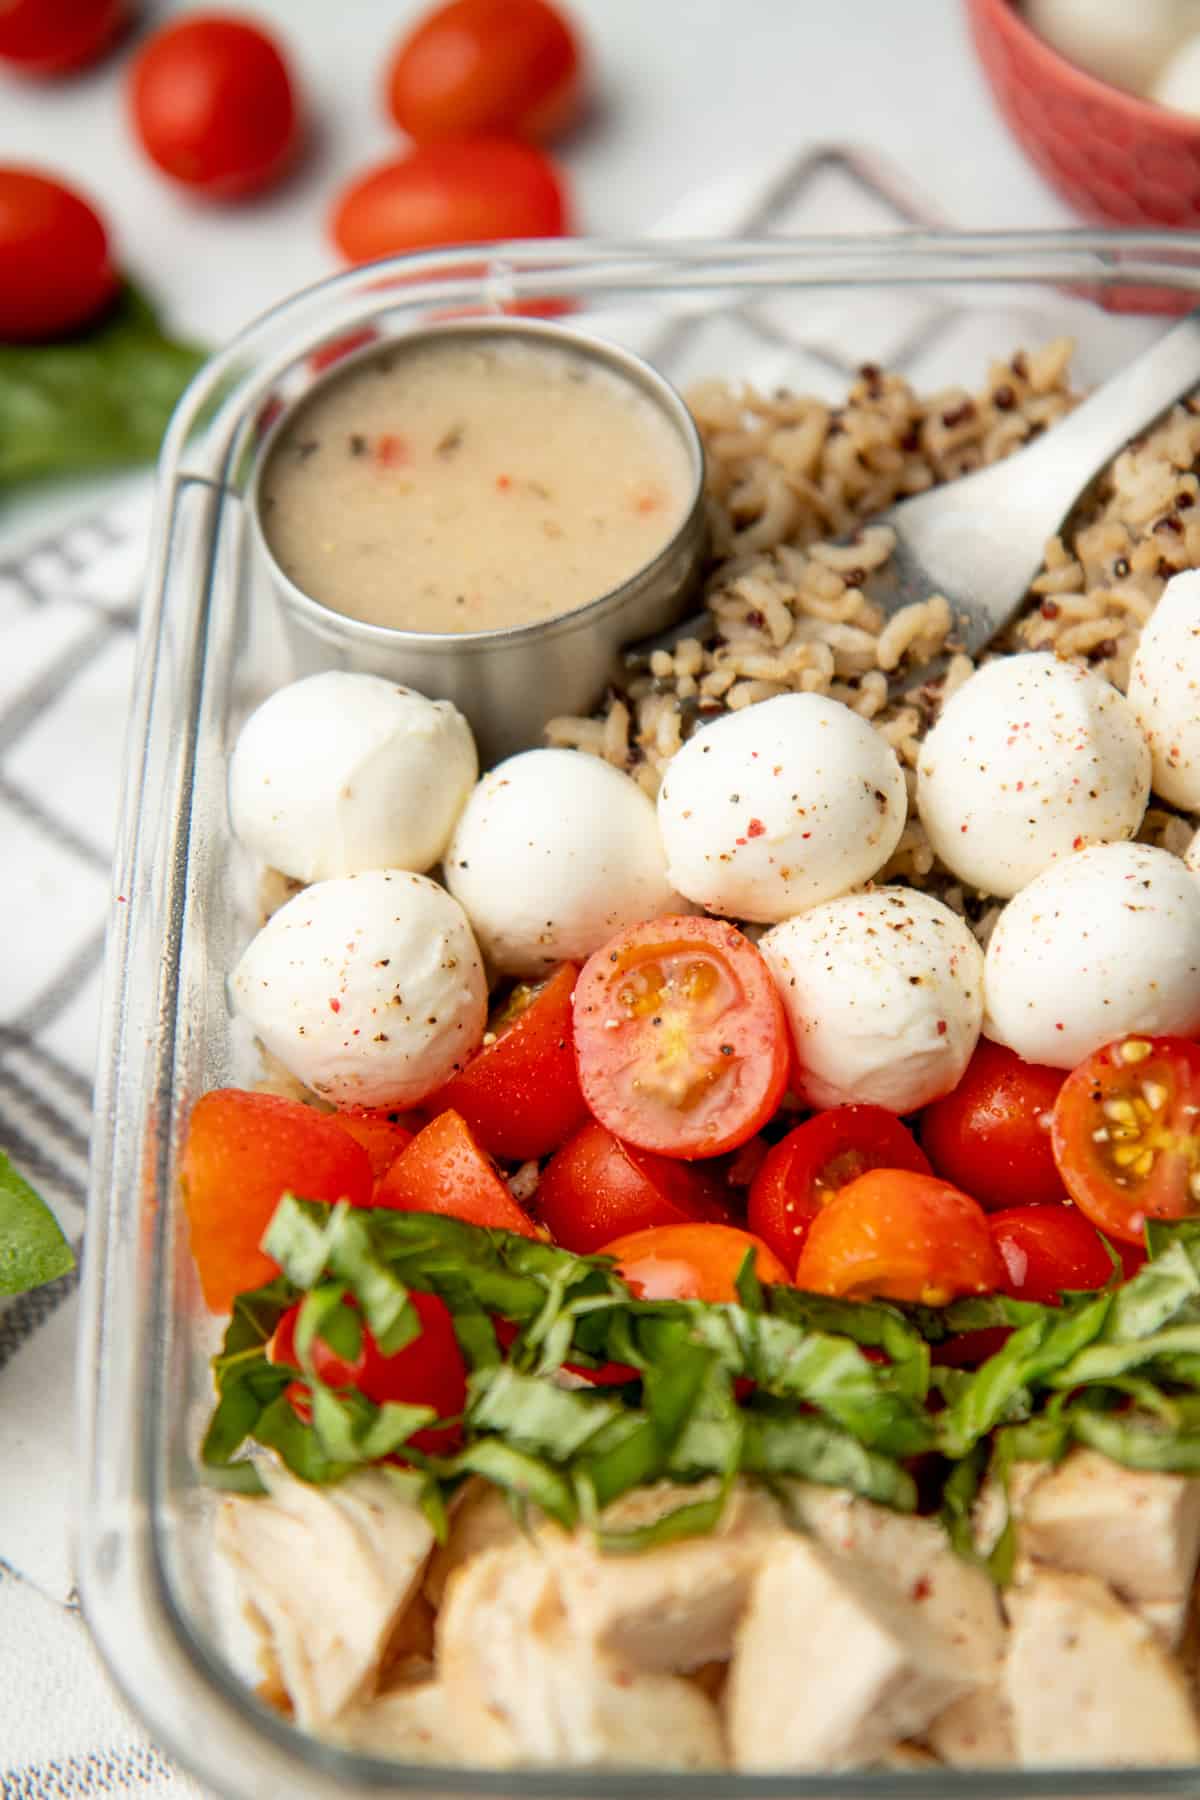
{"x": 475, "y": 67}
{"x": 596, "y": 1188}
{"x": 464, "y": 191}
{"x": 444, "y": 1170}
{"x": 53, "y": 37}
{"x": 681, "y": 1038}
{"x": 55, "y": 269}
{"x": 691, "y": 1262}
{"x": 519, "y": 1093}
{"x": 807, "y": 1167}
{"x": 896, "y": 1235}
{"x": 1046, "y": 1250}
{"x": 429, "y": 1371}
{"x": 1126, "y": 1134}
{"x": 243, "y": 1152}
{"x": 214, "y": 105}
{"x": 990, "y": 1135}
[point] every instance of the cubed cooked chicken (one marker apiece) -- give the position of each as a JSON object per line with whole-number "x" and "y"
{"x": 678, "y": 1606}
{"x": 481, "y": 1518}
{"x": 325, "y": 1572}
{"x": 830, "y": 1669}
{"x": 421, "y": 1723}
{"x": 1137, "y": 1530}
{"x": 507, "y": 1651}
{"x": 914, "y": 1559}
{"x": 1088, "y": 1681}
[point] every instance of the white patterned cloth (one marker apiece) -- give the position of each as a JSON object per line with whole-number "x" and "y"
{"x": 68, "y": 610}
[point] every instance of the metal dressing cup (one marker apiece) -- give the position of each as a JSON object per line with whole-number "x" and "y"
{"x": 508, "y": 682}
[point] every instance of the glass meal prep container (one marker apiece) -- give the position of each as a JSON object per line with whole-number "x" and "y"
{"x": 801, "y": 312}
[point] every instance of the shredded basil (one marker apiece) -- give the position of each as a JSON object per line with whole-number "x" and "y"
{"x": 776, "y": 1387}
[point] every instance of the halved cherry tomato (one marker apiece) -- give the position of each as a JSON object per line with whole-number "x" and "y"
{"x": 691, "y": 1262}
{"x": 214, "y": 106}
{"x": 444, "y": 1170}
{"x": 55, "y": 268}
{"x": 52, "y": 37}
{"x": 477, "y": 66}
{"x": 428, "y": 1372}
{"x": 1046, "y": 1250}
{"x": 807, "y": 1167}
{"x": 520, "y": 1092}
{"x": 381, "y": 1133}
{"x": 1126, "y": 1134}
{"x": 990, "y": 1135}
{"x": 896, "y": 1235}
{"x": 680, "y": 1036}
{"x": 243, "y": 1151}
{"x": 596, "y": 1188}
{"x": 467, "y": 191}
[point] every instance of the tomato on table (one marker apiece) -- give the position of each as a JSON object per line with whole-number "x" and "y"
{"x": 806, "y": 1168}
{"x": 463, "y": 191}
{"x": 481, "y": 66}
{"x": 1126, "y": 1134}
{"x": 990, "y": 1135}
{"x": 596, "y": 1188}
{"x": 383, "y": 1134}
{"x": 53, "y": 37}
{"x": 680, "y": 1036}
{"x": 444, "y": 1170}
{"x": 429, "y": 1371}
{"x": 55, "y": 268}
{"x": 896, "y": 1235}
{"x": 1046, "y": 1250}
{"x": 691, "y": 1262}
{"x": 520, "y": 1092}
{"x": 243, "y": 1152}
{"x": 214, "y": 106}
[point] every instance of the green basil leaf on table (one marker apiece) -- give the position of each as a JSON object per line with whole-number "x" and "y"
{"x": 98, "y": 400}
{"x": 33, "y": 1249}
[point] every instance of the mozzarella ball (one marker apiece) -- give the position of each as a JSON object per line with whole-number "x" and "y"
{"x": 884, "y": 995}
{"x": 1032, "y": 758}
{"x": 339, "y": 773}
{"x": 1124, "y": 42}
{"x": 1177, "y": 83}
{"x": 780, "y": 806}
{"x": 369, "y": 989}
{"x": 555, "y": 852}
{"x": 1104, "y": 943}
{"x": 1164, "y": 690}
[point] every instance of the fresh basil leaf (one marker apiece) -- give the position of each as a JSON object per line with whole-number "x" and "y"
{"x": 693, "y": 1518}
{"x": 352, "y": 1429}
{"x": 1033, "y": 1352}
{"x": 239, "y": 1410}
{"x": 748, "y": 1286}
{"x": 98, "y": 400}
{"x": 529, "y": 1479}
{"x": 534, "y": 1414}
{"x": 1106, "y": 1361}
{"x": 1158, "y": 1293}
{"x": 959, "y": 1494}
{"x": 817, "y": 1452}
{"x": 33, "y": 1249}
{"x": 256, "y": 1314}
{"x": 1138, "y": 1443}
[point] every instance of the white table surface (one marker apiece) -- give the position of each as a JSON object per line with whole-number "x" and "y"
{"x": 696, "y": 102}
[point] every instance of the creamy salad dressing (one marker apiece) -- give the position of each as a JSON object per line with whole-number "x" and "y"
{"x": 470, "y": 486}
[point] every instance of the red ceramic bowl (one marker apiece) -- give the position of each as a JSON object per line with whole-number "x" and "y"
{"x": 1114, "y": 157}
